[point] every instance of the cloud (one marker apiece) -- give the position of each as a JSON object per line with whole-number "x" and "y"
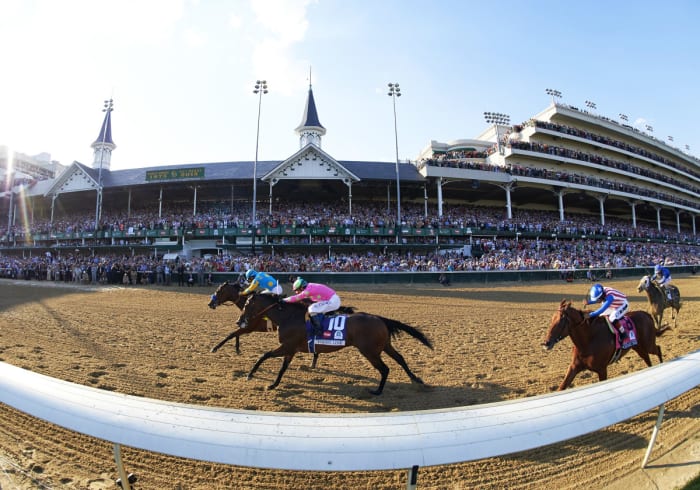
{"x": 286, "y": 19}
{"x": 235, "y": 21}
{"x": 194, "y": 38}
{"x": 284, "y": 24}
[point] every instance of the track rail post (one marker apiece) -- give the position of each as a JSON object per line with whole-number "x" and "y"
{"x": 654, "y": 433}
{"x": 412, "y": 478}
{"x": 125, "y": 484}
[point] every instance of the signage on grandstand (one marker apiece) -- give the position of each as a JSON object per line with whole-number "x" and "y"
{"x": 176, "y": 173}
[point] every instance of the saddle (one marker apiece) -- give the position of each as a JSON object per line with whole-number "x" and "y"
{"x": 631, "y": 339}
{"x": 673, "y": 292}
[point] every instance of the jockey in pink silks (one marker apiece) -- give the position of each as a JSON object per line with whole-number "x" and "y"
{"x": 324, "y": 299}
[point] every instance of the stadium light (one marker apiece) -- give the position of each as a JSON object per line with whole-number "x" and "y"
{"x": 687, "y": 147}
{"x": 497, "y": 118}
{"x": 650, "y": 128}
{"x": 554, "y": 94}
{"x": 260, "y": 90}
{"x": 108, "y": 107}
{"x": 624, "y": 117}
{"x": 394, "y": 92}
{"x": 670, "y": 138}
{"x": 591, "y": 105}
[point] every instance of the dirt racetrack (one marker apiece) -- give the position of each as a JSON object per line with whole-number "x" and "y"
{"x": 155, "y": 343}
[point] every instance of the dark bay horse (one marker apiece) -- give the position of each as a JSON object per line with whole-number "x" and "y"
{"x": 371, "y": 334}
{"x": 658, "y": 301}
{"x": 594, "y": 344}
{"x": 231, "y": 293}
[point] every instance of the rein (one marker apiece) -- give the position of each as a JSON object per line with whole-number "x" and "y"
{"x": 566, "y": 315}
{"x": 261, "y": 313}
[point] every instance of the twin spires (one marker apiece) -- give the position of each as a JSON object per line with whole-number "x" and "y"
{"x": 310, "y": 131}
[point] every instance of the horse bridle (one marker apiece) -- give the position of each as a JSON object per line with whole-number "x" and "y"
{"x": 564, "y": 315}
{"x": 214, "y": 297}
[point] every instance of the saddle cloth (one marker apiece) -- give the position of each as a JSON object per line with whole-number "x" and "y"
{"x": 631, "y": 329}
{"x": 334, "y": 332}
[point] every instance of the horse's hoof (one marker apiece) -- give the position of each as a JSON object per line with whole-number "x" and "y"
{"x": 375, "y": 392}
{"x": 213, "y": 349}
{"x": 249, "y": 377}
{"x": 418, "y": 380}
{"x": 272, "y": 387}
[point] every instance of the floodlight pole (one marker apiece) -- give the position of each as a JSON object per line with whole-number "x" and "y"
{"x": 260, "y": 90}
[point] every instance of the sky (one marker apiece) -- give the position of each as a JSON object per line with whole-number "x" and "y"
{"x": 181, "y": 73}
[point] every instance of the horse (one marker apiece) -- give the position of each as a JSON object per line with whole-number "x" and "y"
{"x": 594, "y": 344}
{"x": 370, "y": 334}
{"x": 658, "y": 301}
{"x": 231, "y": 293}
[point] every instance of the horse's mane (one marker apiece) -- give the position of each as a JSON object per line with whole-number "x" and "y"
{"x": 566, "y": 304}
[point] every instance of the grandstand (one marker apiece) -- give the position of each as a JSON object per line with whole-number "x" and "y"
{"x": 564, "y": 174}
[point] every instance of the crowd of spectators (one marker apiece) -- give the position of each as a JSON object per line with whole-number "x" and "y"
{"x": 608, "y": 141}
{"x": 369, "y": 214}
{"x": 454, "y": 160}
{"x": 623, "y": 245}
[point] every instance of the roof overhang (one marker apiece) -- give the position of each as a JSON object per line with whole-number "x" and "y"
{"x": 310, "y": 163}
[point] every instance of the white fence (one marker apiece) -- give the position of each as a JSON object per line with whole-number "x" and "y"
{"x": 345, "y": 442}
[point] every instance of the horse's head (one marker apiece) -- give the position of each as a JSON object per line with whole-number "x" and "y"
{"x": 562, "y": 321}
{"x": 644, "y": 284}
{"x": 224, "y": 293}
{"x": 257, "y": 305}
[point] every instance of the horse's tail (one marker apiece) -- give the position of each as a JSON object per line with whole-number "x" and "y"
{"x": 395, "y": 327}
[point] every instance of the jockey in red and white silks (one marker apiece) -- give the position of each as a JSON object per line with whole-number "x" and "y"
{"x": 614, "y": 305}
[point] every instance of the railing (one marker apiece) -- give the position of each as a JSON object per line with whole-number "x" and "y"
{"x": 346, "y": 442}
{"x": 353, "y": 235}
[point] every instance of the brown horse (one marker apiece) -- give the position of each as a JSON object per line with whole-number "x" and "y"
{"x": 594, "y": 344}
{"x": 658, "y": 300}
{"x": 231, "y": 293}
{"x": 371, "y": 335}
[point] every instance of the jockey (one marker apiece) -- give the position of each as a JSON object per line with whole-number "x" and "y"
{"x": 261, "y": 281}
{"x": 323, "y": 298}
{"x": 662, "y": 277}
{"x": 614, "y": 305}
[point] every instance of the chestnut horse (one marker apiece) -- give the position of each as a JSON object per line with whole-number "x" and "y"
{"x": 371, "y": 334}
{"x": 594, "y": 344}
{"x": 658, "y": 301}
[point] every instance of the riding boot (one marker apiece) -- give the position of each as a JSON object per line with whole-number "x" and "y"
{"x": 621, "y": 329}
{"x": 316, "y": 323}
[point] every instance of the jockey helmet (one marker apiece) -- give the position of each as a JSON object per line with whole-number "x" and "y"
{"x": 596, "y": 292}
{"x": 299, "y": 284}
{"x": 657, "y": 269}
{"x": 250, "y": 274}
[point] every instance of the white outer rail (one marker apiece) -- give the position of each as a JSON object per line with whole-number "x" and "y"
{"x": 345, "y": 442}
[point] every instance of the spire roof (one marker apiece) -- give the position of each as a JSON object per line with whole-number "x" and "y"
{"x": 310, "y": 118}
{"x": 105, "y": 135}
